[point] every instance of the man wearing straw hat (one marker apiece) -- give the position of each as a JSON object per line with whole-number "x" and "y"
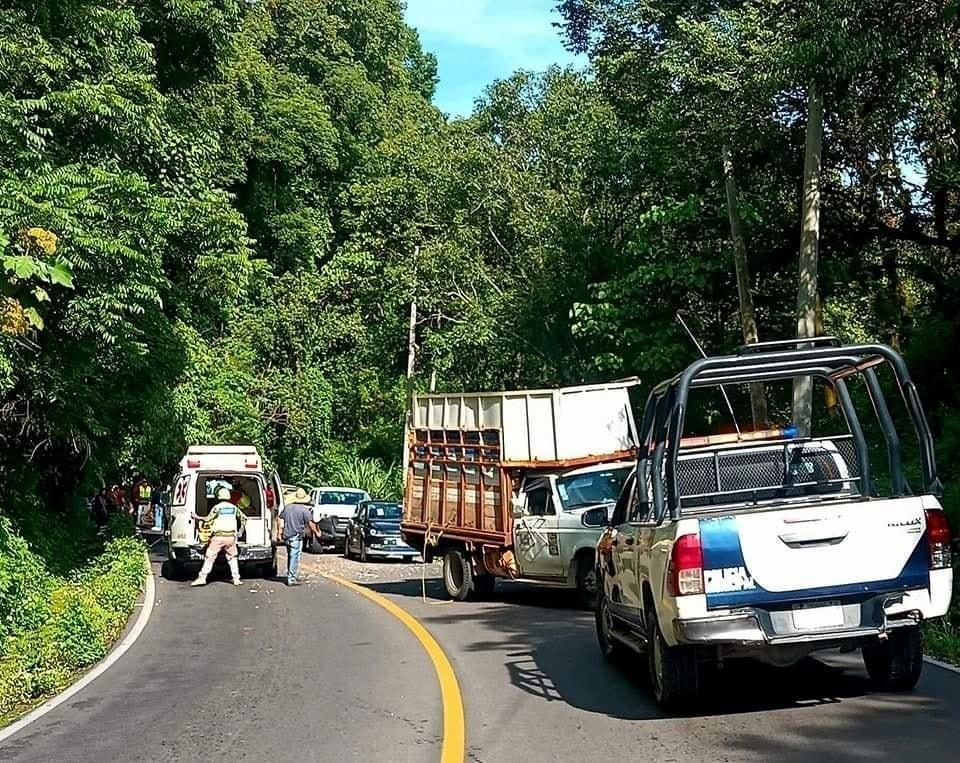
{"x": 295, "y": 518}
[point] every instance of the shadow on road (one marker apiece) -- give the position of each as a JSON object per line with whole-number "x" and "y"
{"x": 549, "y": 650}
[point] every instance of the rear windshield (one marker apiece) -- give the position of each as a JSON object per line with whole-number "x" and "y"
{"x": 340, "y": 498}
{"x": 385, "y": 511}
{"x": 731, "y": 476}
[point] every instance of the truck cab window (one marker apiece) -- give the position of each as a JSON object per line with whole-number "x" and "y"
{"x": 540, "y": 503}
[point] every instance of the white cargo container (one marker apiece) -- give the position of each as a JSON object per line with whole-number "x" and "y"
{"x": 544, "y": 425}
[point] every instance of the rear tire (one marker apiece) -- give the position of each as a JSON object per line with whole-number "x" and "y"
{"x": 674, "y": 670}
{"x": 172, "y": 570}
{"x": 587, "y": 582}
{"x": 346, "y": 550}
{"x": 610, "y": 648}
{"x": 457, "y": 575}
{"x": 895, "y": 664}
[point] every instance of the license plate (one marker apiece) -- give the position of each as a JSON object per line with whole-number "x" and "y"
{"x": 817, "y": 616}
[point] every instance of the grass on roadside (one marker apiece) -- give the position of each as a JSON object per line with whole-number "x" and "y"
{"x": 52, "y": 627}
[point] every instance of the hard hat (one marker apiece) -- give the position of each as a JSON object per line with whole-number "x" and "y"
{"x": 223, "y": 494}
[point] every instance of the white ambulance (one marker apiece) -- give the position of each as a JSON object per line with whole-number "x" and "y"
{"x": 238, "y": 468}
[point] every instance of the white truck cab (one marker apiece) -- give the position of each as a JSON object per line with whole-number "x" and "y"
{"x": 771, "y": 545}
{"x": 238, "y": 468}
{"x": 333, "y": 509}
{"x": 557, "y": 520}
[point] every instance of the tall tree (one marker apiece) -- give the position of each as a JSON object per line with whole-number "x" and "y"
{"x": 807, "y": 294}
{"x": 758, "y": 396}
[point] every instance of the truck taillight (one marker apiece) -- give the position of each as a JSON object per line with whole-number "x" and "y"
{"x": 193, "y": 463}
{"x": 685, "y": 573}
{"x": 938, "y": 539}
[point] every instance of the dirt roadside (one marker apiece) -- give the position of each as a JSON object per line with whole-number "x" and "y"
{"x": 379, "y": 571}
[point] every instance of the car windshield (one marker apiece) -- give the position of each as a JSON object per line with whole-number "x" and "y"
{"x": 340, "y": 498}
{"x": 591, "y": 488}
{"x": 385, "y": 512}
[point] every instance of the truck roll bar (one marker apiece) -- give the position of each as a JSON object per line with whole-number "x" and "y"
{"x": 823, "y": 357}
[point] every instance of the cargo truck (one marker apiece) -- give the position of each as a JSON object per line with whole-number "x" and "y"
{"x": 516, "y": 485}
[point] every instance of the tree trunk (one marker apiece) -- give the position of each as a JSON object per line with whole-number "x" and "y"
{"x": 809, "y": 250}
{"x": 748, "y": 318}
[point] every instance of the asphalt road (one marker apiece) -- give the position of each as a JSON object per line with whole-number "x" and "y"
{"x": 262, "y": 672}
{"x": 536, "y": 689}
{"x": 319, "y": 673}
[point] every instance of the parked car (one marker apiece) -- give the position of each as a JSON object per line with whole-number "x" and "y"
{"x": 375, "y": 531}
{"x": 333, "y": 508}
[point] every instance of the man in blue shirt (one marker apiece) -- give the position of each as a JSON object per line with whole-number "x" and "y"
{"x": 295, "y": 518}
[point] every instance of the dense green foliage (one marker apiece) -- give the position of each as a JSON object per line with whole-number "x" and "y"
{"x": 52, "y": 625}
{"x": 245, "y": 197}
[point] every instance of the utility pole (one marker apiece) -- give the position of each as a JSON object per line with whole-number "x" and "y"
{"x": 411, "y": 367}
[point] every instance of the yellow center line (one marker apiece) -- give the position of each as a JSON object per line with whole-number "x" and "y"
{"x": 454, "y": 726}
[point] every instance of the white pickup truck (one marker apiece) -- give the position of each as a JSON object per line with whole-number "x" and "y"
{"x": 769, "y": 545}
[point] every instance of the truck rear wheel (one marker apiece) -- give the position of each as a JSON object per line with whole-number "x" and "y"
{"x": 457, "y": 574}
{"x": 895, "y": 664}
{"x": 269, "y": 570}
{"x": 674, "y": 670}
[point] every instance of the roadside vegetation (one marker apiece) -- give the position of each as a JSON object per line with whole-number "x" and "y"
{"x": 65, "y": 597}
{"x": 216, "y": 214}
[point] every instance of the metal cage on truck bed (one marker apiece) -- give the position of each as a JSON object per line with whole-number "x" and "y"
{"x": 682, "y": 478}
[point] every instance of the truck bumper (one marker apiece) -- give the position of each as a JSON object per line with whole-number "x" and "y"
{"x": 247, "y": 554}
{"x": 400, "y": 549}
{"x": 755, "y": 627}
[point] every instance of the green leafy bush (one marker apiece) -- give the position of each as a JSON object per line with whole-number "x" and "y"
{"x": 52, "y": 626}
{"x": 379, "y": 479}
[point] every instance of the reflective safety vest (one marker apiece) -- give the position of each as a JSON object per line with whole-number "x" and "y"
{"x": 222, "y": 519}
{"x": 143, "y": 491}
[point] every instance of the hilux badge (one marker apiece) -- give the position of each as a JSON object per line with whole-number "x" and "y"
{"x": 907, "y": 523}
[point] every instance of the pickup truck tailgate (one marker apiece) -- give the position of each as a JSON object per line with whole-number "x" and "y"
{"x": 809, "y": 552}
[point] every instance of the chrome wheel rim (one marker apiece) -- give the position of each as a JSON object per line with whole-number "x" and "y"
{"x": 590, "y": 583}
